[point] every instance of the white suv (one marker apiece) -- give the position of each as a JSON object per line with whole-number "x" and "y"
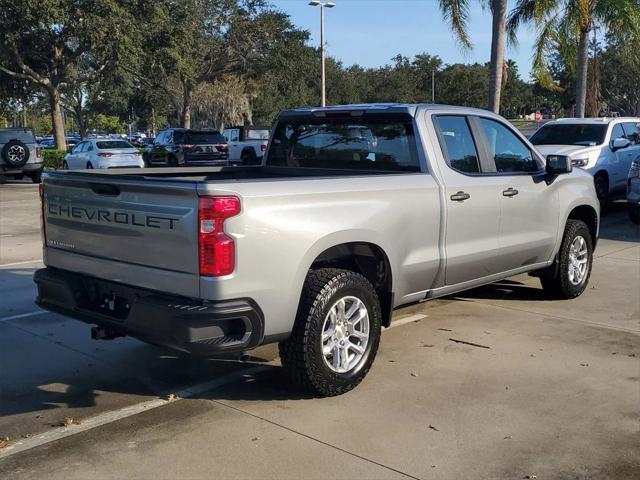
{"x": 605, "y": 147}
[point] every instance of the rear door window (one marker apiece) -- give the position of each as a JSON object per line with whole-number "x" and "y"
{"x": 255, "y": 134}
{"x": 24, "y": 136}
{"x": 113, "y": 144}
{"x": 457, "y": 143}
{"x": 385, "y": 143}
{"x": 202, "y": 138}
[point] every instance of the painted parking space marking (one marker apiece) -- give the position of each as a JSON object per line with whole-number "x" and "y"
{"x": 404, "y": 320}
{"x": 23, "y": 315}
{"x": 105, "y": 418}
{"x": 25, "y": 262}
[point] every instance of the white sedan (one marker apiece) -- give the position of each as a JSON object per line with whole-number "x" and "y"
{"x": 103, "y": 153}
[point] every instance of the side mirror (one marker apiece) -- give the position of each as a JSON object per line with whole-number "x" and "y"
{"x": 558, "y": 164}
{"x": 620, "y": 143}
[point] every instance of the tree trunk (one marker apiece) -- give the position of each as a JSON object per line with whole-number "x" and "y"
{"x": 581, "y": 73}
{"x": 499, "y": 12}
{"x": 186, "y": 105}
{"x": 56, "y": 118}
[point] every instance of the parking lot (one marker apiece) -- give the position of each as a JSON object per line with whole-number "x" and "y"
{"x": 498, "y": 382}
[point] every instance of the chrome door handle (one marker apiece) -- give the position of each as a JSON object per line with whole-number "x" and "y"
{"x": 510, "y": 192}
{"x": 460, "y": 196}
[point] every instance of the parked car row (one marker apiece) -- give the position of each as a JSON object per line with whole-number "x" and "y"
{"x": 607, "y": 148}
{"x": 604, "y": 147}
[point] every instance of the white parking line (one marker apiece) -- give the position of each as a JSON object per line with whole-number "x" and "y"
{"x": 115, "y": 415}
{"x": 23, "y": 315}
{"x": 112, "y": 416}
{"x": 26, "y": 262}
{"x": 404, "y": 320}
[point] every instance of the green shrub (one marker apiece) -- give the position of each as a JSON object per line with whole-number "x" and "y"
{"x": 53, "y": 158}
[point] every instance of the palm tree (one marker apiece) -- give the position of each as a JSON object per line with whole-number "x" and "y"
{"x": 560, "y": 21}
{"x": 456, "y": 12}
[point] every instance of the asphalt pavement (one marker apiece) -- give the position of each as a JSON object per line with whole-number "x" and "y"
{"x": 541, "y": 389}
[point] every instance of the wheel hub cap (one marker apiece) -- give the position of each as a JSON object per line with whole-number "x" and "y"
{"x": 16, "y": 153}
{"x": 345, "y": 334}
{"x": 578, "y": 261}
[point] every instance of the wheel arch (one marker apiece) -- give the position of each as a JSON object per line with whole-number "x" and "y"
{"x": 368, "y": 259}
{"x": 588, "y": 215}
{"x": 603, "y": 173}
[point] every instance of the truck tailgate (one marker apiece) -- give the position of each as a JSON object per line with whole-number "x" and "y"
{"x": 148, "y": 227}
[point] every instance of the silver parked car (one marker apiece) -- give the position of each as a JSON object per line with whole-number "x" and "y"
{"x": 103, "y": 153}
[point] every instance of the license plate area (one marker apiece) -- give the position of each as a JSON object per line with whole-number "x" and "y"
{"x": 111, "y": 300}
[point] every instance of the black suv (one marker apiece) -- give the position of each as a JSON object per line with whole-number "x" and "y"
{"x": 180, "y": 147}
{"x": 20, "y": 154}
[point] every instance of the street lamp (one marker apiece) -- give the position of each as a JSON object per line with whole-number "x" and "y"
{"x": 322, "y": 5}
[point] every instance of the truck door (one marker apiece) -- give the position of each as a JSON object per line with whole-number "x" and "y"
{"x": 528, "y": 206}
{"x": 632, "y": 152}
{"x": 618, "y": 168}
{"x": 233, "y": 143}
{"x": 472, "y": 202}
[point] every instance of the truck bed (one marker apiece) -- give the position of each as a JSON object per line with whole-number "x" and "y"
{"x": 218, "y": 174}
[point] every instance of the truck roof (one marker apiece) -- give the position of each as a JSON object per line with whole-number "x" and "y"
{"x": 410, "y": 108}
{"x": 594, "y": 121}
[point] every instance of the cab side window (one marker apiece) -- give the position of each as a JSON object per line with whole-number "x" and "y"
{"x": 510, "y": 154}
{"x": 457, "y": 143}
{"x": 632, "y": 132}
{"x": 617, "y": 132}
{"x": 232, "y": 134}
{"x": 160, "y": 139}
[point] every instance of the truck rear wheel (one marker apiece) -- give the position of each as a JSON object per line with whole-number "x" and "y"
{"x": 569, "y": 278}
{"x": 336, "y": 334}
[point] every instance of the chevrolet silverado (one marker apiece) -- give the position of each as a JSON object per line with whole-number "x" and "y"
{"x": 354, "y": 212}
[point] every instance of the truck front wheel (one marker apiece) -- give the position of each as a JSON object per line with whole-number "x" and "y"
{"x": 336, "y": 334}
{"x": 569, "y": 278}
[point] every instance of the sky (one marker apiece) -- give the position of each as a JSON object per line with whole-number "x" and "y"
{"x": 371, "y": 32}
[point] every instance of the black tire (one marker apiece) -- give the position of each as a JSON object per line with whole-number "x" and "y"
{"x": 36, "y": 177}
{"x": 634, "y": 213}
{"x": 3, "y": 179}
{"x": 89, "y": 165}
{"x": 248, "y": 157}
{"x": 18, "y": 176}
{"x": 301, "y": 354}
{"x": 556, "y": 282}
{"x": 15, "y": 153}
{"x": 65, "y": 165}
{"x": 601, "y": 183}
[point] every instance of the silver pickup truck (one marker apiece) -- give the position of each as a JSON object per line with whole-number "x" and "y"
{"x": 355, "y": 211}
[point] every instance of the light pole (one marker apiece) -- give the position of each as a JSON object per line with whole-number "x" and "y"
{"x": 322, "y": 5}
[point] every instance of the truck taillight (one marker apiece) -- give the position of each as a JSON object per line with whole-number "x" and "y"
{"x": 43, "y": 233}
{"x": 38, "y": 152}
{"x": 217, "y": 249}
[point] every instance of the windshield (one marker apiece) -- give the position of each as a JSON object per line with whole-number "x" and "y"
{"x": 367, "y": 143}
{"x": 200, "y": 138}
{"x": 113, "y": 144}
{"x": 570, "y": 134}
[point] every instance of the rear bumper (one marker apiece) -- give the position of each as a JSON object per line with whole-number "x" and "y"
{"x": 26, "y": 168}
{"x": 194, "y": 326}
